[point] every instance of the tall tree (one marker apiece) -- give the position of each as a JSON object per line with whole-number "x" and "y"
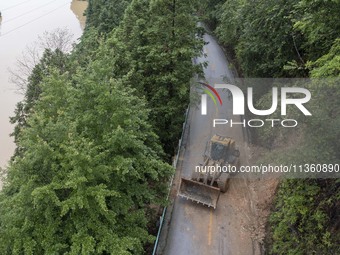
{"x": 319, "y": 22}
{"x": 50, "y": 59}
{"x": 91, "y": 171}
{"x": 161, "y": 38}
{"x": 105, "y": 14}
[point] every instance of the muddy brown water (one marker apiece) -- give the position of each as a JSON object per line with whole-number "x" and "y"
{"x": 21, "y": 23}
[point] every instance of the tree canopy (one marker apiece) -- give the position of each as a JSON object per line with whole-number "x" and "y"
{"x": 96, "y": 132}
{"x": 292, "y": 39}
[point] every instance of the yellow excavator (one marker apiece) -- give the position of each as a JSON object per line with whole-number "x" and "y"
{"x": 209, "y": 180}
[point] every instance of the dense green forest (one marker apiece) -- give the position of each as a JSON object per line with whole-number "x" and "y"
{"x": 295, "y": 39}
{"x": 96, "y": 131}
{"x": 97, "y": 128}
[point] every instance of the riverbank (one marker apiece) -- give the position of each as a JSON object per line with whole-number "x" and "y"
{"x": 20, "y": 26}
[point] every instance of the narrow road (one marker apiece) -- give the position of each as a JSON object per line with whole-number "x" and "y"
{"x": 196, "y": 229}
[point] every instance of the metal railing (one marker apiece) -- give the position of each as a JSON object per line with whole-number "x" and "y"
{"x": 174, "y": 164}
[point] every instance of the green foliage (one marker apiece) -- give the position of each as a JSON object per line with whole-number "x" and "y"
{"x": 50, "y": 59}
{"x": 230, "y": 22}
{"x": 90, "y": 166}
{"x": 158, "y": 41}
{"x": 91, "y": 170}
{"x": 268, "y": 40}
{"x": 329, "y": 64}
{"x": 276, "y": 38}
{"x": 211, "y": 11}
{"x": 152, "y": 51}
{"x": 87, "y": 48}
{"x": 304, "y": 216}
{"x": 293, "y": 39}
{"x": 105, "y": 15}
{"x": 319, "y": 23}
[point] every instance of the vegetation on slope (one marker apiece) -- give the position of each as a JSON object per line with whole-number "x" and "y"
{"x": 293, "y": 39}
{"x": 96, "y": 131}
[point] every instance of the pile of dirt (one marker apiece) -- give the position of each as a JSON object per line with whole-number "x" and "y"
{"x": 251, "y": 198}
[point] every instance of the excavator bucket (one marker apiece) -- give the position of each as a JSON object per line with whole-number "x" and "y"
{"x": 199, "y": 192}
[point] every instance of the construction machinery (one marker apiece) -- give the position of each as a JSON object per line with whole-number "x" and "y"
{"x": 212, "y": 177}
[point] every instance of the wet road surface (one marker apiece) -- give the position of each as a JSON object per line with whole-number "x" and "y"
{"x": 194, "y": 228}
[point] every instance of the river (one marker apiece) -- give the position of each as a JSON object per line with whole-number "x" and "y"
{"x": 21, "y": 23}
